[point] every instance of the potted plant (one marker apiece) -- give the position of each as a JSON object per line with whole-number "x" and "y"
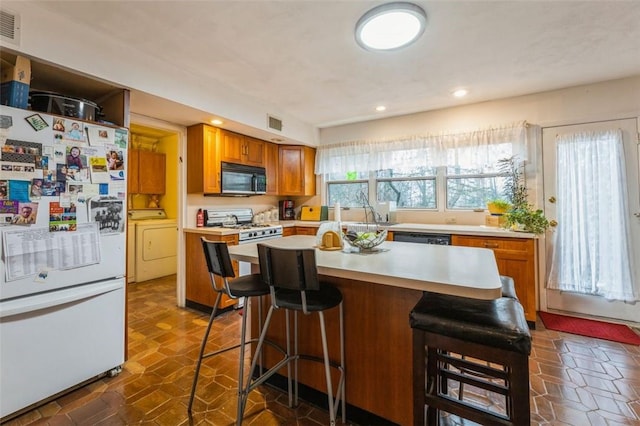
{"x": 498, "y": 206}
{"x": 521, "y": 216}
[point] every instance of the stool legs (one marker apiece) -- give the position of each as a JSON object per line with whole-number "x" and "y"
{"x": 202, "y": 349}
{"x": 242, "y": 345}
{"x": 428, "y": 380}
{"x": 295, "y": 356}
{"x": 241, "y": 399}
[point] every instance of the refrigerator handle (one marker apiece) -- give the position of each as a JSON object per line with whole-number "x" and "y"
{"x": 47, "y": 300}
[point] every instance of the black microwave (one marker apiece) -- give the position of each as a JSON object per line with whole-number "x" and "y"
{"x": 239, "y": 179}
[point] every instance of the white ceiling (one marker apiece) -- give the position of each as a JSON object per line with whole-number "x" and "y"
{"x": 302, "y": 56}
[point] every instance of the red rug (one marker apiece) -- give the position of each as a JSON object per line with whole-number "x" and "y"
{"x": 590, "y": 328}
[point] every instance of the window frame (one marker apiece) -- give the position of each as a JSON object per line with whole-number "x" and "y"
{"x": 441, "y": 178}
{"x": 448, "y": 177}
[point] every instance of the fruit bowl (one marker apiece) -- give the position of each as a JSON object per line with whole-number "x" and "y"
{"x": 365, "y": 237}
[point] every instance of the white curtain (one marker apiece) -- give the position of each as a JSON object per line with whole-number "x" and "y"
{"x": 485, "y": 146}
{"x": 592, "y": 253}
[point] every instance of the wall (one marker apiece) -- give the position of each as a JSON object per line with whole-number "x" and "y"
{"x": 258, "y": 203}
{"x": 169, "y": 201}
{"x": 45, "y": 36}
{"x": 595, "y": 102}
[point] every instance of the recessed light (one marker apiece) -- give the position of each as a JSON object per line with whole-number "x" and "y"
{"x": 390, "y": 26}
{"x": 217, "y": 122}
{"x": 460, "y": 93}
{"x": 381, "y": 108}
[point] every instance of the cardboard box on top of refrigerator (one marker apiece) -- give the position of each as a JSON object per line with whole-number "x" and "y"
{"x": 14, "y": 83}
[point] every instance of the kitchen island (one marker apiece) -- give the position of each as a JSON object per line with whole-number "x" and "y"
{"x": 379, "y": 291}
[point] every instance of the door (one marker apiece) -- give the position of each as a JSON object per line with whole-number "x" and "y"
{"x": 577, "y": 300}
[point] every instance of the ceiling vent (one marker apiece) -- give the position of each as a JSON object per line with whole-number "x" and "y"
{"x": 274, "y": 123}
{"x": 9, "y": 27}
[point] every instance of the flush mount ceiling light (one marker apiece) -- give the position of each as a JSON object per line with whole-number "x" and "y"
{"x": 390, "y": 26}
{"x": 460, "y": 93}
{"x": 381, "y": 108}
{"x": 216, "y": 122}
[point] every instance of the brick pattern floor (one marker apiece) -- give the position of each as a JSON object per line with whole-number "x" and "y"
{"x": 575, "y": 380}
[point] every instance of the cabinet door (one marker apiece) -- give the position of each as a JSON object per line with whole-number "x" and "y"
{"x": 211, "y": 161}
{"x": 203, "y": 160}
{"x": 271, "y": 167}
{"x": 232, "y": 147}
{"x": 253, "y": 152}
{"x": 198, "y": 282}
{"x": 291, "y": 172}
{"x": 515, "y": 258}
{"x": 151, "y": 172}
{"x": 132, "y": 171}
{"x": 297, "y": 171}
{"x": 304, "y": 230}
{"x": 198, "y": 285}
{"x": 289, "y": 230}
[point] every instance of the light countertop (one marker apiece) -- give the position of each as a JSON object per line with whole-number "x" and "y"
{"x": 480, "y": 230}
{"x": 460, "y": 271}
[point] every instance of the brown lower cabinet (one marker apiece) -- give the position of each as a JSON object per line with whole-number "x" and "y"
{"x": 516, "y": 257}
{"x": 198, "y": 284}
{"x": 305, "y": 230}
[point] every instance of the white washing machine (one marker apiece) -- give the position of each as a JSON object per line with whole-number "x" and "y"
{"x": 156, "y": 248}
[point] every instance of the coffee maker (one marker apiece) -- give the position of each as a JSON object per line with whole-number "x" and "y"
{"x": 286, "y": 210}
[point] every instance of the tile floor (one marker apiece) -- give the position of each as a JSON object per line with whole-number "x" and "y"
{"x": 574, "y": 380}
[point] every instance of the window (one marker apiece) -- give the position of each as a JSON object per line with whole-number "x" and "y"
{"x": 347, "y": 188}
{"x": 448, "y": 171}
{"x": 413, "y": 188}
{"x": 469, "y": 185}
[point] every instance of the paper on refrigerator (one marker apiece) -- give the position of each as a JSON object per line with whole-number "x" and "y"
{"x": 34, "y": 250}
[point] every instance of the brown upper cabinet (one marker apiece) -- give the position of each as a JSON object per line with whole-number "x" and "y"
{"x": 296, "y": 170}
{"x": 289, "y": 169}
{"x": 241, "y": 149}
{"x": 146, "y": 172}
{"x": 271, "y": 157}
{"x": 203, "y": 159}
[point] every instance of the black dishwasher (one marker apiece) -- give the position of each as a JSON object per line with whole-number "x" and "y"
{"x": 422, "y": 238}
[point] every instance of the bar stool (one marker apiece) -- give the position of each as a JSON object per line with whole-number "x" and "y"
{"x": 491, "y": 331}
{"x": 219, "y": 265}
{"x": 294, "y": 286}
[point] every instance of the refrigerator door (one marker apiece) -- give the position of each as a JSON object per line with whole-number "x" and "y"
{"x": 112, "y": 253}
{"x": 54, "y": 341}
{"x": 81, "y": 256}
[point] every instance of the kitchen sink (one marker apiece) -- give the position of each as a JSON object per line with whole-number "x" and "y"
{"x": 376, "y": 223}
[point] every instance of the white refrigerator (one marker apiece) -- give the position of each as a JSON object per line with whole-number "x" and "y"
{"x": 62, "y": 255}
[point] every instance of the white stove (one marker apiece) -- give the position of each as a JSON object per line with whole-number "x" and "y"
{"x": 241, "y": 219}
{"x": 259, "y": 233}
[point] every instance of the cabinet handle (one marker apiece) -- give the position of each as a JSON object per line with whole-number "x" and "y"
{"x": 490, "y": 245}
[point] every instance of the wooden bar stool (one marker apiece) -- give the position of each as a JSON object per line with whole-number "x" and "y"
{"x": 460, "y": 338}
